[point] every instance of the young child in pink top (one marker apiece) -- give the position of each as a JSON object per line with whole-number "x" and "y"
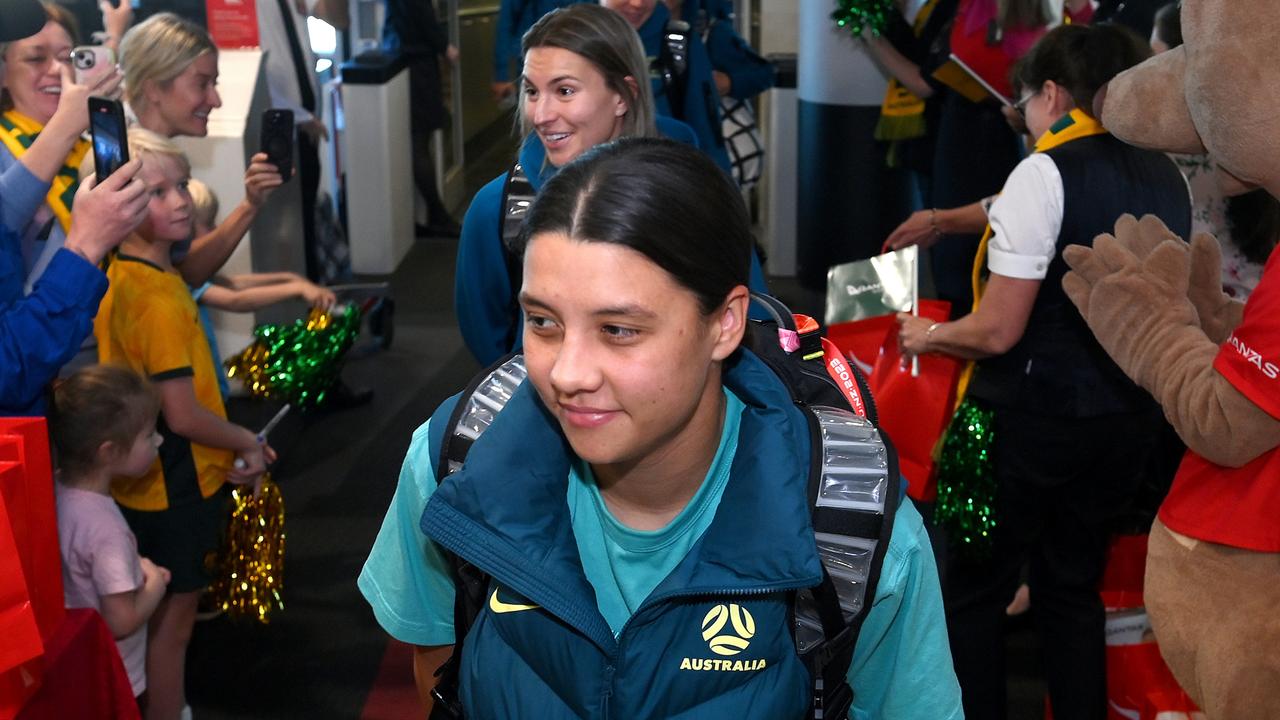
{"x": 103, "y": 424}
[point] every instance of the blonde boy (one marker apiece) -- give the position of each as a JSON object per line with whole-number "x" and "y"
{"x": 148, "y": 322}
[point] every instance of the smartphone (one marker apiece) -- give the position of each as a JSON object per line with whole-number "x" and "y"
{"x": 110, "y": 142}
{"x": 91, "y": 61}
{"x": 277, "y": 139}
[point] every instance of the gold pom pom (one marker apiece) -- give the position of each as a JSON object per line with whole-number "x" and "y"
{"x": 251, "y": 570}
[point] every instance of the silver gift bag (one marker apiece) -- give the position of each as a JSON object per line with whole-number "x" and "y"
{"x": 880, "y": 285}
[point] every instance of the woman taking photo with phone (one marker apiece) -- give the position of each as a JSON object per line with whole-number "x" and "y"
{"x": 171, "y": 74}
{"x": 43, "y": 115}
{"x": 584, "y": 83}
{"x": 644, "y": 486}
{"x": 42, "y": 327}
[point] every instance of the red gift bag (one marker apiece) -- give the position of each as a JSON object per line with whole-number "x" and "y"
{"x": 914, "y": 411}
{"x": 1139, "y": 684}
{"x": 861, "y": 340}
{"x": 33, "y": 515}
{"x": 84, "y": 677}
{"x": 1124, "y": 572}
{"x": 30, "y": 563}
{"x": 22, "y": 648}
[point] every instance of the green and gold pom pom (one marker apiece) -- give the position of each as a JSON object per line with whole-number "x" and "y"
{"x": 299, "y": 362}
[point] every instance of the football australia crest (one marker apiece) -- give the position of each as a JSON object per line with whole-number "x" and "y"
{"x": 727, "y": 630}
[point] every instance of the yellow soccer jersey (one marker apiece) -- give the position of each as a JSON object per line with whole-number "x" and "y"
{"x": 148, "y": 321}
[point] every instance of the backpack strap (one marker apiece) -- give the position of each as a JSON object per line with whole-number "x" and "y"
{"x": 445, "y": 694}
{"x": 517, "y": 196}
{"x": 455, "y": 426}
{"x": 471, "y": 585}
{"x": 477, "y": 407}
{"x": 811, "y": 367}
{"x": 672, "y": 64}
{"x": 854, "y": 491}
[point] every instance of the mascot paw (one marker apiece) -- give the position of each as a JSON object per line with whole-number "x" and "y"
{"x": 1142, "y": 237}
{"x": 1218, "y": 313}
{"x": 1130, "y": 302}
{"x": 1134, "y": 243}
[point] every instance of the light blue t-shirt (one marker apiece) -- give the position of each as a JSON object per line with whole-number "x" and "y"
{"x": 625, "y": 565}
{"x": 901, "y": 665}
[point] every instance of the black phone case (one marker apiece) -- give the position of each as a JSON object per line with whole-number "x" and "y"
{"x": 277, "y": 139}
{"x": 112, "y": 150}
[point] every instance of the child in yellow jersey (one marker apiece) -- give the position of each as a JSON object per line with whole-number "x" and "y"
{"x": 177, "y": 510}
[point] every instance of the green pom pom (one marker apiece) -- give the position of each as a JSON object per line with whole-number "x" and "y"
{"x": 859, "y": 15}
{"x": 967, "y": 483}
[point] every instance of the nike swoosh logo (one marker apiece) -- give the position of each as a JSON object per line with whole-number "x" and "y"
{"x": 498, "y": 606}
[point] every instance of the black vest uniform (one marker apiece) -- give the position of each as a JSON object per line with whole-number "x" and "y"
{"x": 1072, "y": 440}
{"x": 1058, "y": 368}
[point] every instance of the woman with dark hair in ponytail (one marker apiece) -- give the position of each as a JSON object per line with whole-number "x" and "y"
{"x": 639, "y": 503}
{"x": 1072, "y": 436}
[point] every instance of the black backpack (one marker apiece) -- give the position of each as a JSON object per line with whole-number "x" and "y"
{"x": 833, "y": 393}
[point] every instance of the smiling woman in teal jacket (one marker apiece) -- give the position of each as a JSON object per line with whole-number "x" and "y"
{"x": 641, "y": 502}
{"x": 580, "y": 89}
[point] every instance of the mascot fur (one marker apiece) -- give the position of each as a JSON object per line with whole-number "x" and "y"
{"x": 1156, "y": 305}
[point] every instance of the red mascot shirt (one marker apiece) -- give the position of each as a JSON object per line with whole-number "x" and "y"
{"x": 1239, "y": 506}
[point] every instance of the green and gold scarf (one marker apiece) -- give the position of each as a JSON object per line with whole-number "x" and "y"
{"x": 18, "y": 132}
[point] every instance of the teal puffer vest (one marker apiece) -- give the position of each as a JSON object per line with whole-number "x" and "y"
{"x": 713, "y": 640}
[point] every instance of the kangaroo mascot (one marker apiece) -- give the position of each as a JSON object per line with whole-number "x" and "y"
{"x": 1156, "y": 305}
